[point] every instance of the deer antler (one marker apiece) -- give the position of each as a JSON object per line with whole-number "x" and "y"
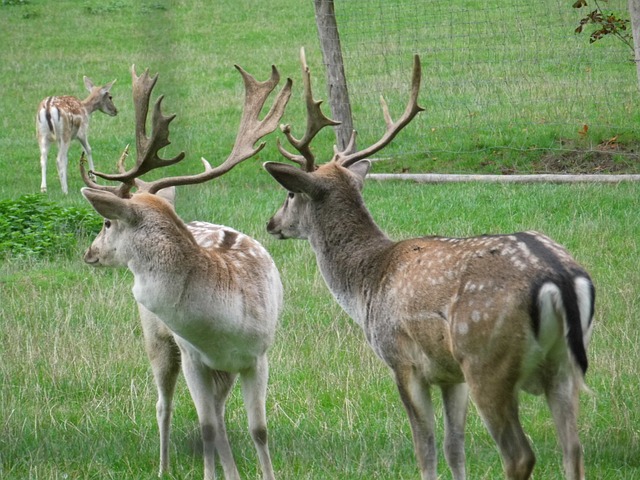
{"x": 121, "y": 191}
{"x": 250, "y": 131}
{"x": 316, "y": 121}
{"x": 147, "y": 147}
{"x": 412, "y": 109}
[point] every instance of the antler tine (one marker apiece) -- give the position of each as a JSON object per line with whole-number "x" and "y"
{"x": 250, "y": 131}
{"x": 147, "y": 148}
{"x": 121, "y": 191}
{"x": 316, "y": 121}
{"x": 393, "y": 128}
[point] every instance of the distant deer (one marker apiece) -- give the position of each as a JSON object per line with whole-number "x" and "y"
{"x": 213, "y": 291}
{"x": 499, "y": 312}
{"x": 63, "y": 119}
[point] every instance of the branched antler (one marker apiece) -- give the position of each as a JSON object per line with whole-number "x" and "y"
{"x": 316, "y": 121}
{"x": 411, "y": 110}
{"x": 250, "y": 131}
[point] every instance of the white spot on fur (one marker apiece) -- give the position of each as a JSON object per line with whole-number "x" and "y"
{"x": 475, "y": 316}
{"x": 463, "y": 328}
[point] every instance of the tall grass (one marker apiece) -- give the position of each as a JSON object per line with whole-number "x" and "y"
{"x": 76, "y": 393}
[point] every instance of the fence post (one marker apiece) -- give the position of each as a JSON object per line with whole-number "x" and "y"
{"x": 634, "y": 12}
{"x": 336, "y": 80}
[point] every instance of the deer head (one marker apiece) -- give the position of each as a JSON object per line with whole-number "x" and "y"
{"x": 117, "y": 203}
{"x": 346, "y": 168}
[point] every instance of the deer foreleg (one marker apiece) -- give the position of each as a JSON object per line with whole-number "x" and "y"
{"x": 87, "y": 150}
{"x": 164, "y": 356}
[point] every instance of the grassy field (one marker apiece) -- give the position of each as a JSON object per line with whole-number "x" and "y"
{"x": 76, "y": 394}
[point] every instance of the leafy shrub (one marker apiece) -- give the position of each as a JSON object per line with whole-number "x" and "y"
{"x": 34, "y": 226}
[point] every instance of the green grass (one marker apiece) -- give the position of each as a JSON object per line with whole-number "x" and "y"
{"x": 77, "y": 397}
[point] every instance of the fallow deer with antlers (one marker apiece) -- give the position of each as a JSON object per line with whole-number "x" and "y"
{"x": 62, "y": 119}
{"x": 213, "y": 291}
{"x": 491, "y": 314}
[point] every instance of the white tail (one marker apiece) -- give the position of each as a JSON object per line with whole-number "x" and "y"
{"x": 63, "y": 119}
{"x": 491, "y": 314}
{"x": 213, "y": 291}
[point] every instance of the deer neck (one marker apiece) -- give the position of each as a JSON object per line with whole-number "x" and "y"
{"x": 90, "y": 104}
{"x": 349, "y": 249}
{"x": 162, "y": 262}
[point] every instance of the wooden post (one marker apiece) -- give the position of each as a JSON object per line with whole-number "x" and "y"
{"x": 634, "y": 12}
{"x": 336, "y": 80}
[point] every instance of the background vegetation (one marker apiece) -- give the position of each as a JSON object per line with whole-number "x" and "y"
{"x": 76, "y": 393}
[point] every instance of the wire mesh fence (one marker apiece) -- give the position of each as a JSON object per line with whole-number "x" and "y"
{"x": 497, "y": 75}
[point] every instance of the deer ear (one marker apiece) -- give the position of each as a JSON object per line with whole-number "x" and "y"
{"x": 294, "y": 179}
{"x": 88, "y": 83}
{"x": 169, "y": 194}
{"x": 107, "y": 87}
{"x": 109, "y": 205}
{"x": 360, "y": 168}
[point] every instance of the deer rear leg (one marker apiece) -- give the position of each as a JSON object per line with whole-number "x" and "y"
{"x": 416, "y": 398}
{"x": 497, "y": 404}
{"x": 61, "y": 161}
{"x": 254, "y": 392}
{"x": 562, "y": 398}
{"x": 209, "y": 390}
{"x": 44, "y": 153}
{"x": 456, "y": 401}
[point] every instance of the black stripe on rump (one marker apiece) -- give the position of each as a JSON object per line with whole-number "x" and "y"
{"x": 565, "y": 281}
{"x": 47, "y": 110}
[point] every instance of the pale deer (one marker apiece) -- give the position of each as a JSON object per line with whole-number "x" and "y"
{"x": 213, "y": 291}
{"x": 63, "y": 119}
{"x": 491, "y": 314}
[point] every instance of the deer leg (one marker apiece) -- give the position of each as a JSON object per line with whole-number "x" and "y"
{"x": 562, "y": 398}
{"x": 44, "y": 153}
{"x": 456, "y": 401}
{"x": 223, "y": 382}
{"x": 87, "y": 150}
{"x": 497, "y": 403}
{"x": 254, "y": 391}
{"x": 209, "y": 390}
{"x": 416, "y": 398}
{"x": 62, "y": 160}
{"x": 164, "y": 356}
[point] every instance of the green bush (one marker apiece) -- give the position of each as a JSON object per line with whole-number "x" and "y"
{"x": 34, "y": 226}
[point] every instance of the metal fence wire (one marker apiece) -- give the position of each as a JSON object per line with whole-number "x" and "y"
{"x": 496, "y": 75}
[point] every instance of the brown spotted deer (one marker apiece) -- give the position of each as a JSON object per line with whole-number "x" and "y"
{"x": 491, "y": 314}
{"x": 65, "y": 118}
{"x": 212, "y": 291}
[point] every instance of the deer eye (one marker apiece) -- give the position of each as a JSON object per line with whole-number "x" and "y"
{"x": 107, "y": 223}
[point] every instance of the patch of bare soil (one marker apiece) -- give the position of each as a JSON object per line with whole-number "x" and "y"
{"x": 609, "y": 157}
